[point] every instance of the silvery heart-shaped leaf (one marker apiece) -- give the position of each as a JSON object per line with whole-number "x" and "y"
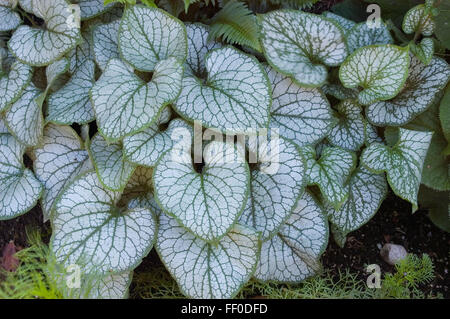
{"x": 349, "y": 131}
{"x": 274, "y": 191}
{"x": 9, "y": 19}
{"x": 293, "y": 254}
{"x": 60, "y": 158}
{"x": 198, "y": 47}
{"x": 204, "y": 270}
{"x": 329, "y": 172}
{"x": 12, "y": 83}
{"x": 235, "y": 96}
{"x": 403, "y": 162}
{"x": 19, "y": 189}
{"x": 421, "y": 87}
{"x": 144, "y": 148}
{"x": 38, "y": 47}
{"x": 380, "y": 70}
{"x": 53, "y": 72}
{"x": 26, "y": 5}
{"x": 92, "y": 8}
{"x": 112, "y": 287}
{"x": 106, "y": 37}
{"x": 71, "y": 103}
{"x": 423, "y": 50}
{"x": 338, "y": 91}
{"x": 344, "y": 23}
{"x": 88, "y": 226}
{"x": 207, "y": 203}
{"x": 362, "y": 35}
{"x": 112, "y": 168}
{"x": 371, "y": 134}
{"x": 150, "y": 35}
{"x": 301, "y": 45}
{"x": 301, "y": 114}
{"x": 3, "y": 128}
{"x": 418, "y": 19}
{"x": 366, "y": 193}
{"x": 82, "y": 52}
{"x": 125, "y": 104}
{"x": 24, "y": 117}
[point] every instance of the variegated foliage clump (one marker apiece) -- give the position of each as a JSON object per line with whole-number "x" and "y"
{"x": 99, "y": 108}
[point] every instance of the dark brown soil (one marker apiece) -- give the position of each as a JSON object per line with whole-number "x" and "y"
{"x": 395, "y": 224}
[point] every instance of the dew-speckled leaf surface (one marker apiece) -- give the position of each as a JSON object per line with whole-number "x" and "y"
{"x": 344, "y": 23}
{"x": 112, "y": 168}
{"x": 207, "y": 203}
{"x": 349, "y": 131}
{"x": 19, "y": 188}
{"x": 106, "y": 37}
{"x": 403, "y": 162}
{"x": 301, "y": 114}
{"x": 13, "y": 83}
{"x": 92, "y": 8}
{"x": 423, "y": 50}
{"x": 198, "y": 47}
{"x": 125, "y": 104}
{"x": 301, "y": 45}
{"x": 329, "y": 172}
{"x": 150, "y": 35}
{"x": 362, "y": 35}
{"x": 293, "y": 254}
{"x": 380, "y": 70}
{"x": 144, "y": 148}
{"x": 421, "y": 87}
{"x": 9, "y": 19}
{"x": 205, "y": 270}
{"x": 39, "y": 46}
{"x": 88, "y": 226}
{"x": 418, "y": 20}
{"x": 366, "y": 193}
{"x": 24, "y": 117}
{"x": 235, "y": 96}
{"x": 274, "y": 191}
{"x": 71, "y": 103}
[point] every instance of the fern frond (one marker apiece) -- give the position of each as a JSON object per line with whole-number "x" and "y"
{"x": 236, "y": 24}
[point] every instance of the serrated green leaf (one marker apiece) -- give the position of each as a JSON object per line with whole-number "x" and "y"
{"x": 293, "y": 254}
{"x": 421, "y": 87}
{"x": 329, "y": 172}
{"x": 344, "y": 23}
{"x": 150, "y": 35}
{"x": 71, "y": 103}
{"x": 92, "y": 8}
{"x": 349, "y": 131}
{"x": 12, "y": 82}
{"x": 366, "y": 193}
{"x": 9, "y": 19}
{"x": 19, "y": 189}
{"x": 362, "y": 35}
{"x": 144, "y": 148}
{"x": 125, "y": 104}
{"x": 60, "y": 158}
{"x": 301, "y": 114}
{"x": 204, "y": 270}
{"x": 275, "y": 186}
{"x": 112, "y": 168}
{"x": 424, "y": 50}
{"x": 198, "y": 47}
{"x": 106, "y": 37}
{"x": 418, "y": 19}
{"x": 302, "y": 45}
{"x": 235, "y": 96}
{"x": 38, "y": 47}
{"x": 24, "y": 117}
{"x": 381, "y": 71}
{"x": 207, "y": 203}
{"x": 403, "y": 162}
{"x": 88, "y": 226}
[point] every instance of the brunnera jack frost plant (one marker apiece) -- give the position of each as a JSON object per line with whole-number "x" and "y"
{"x": 305, "y": 138}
